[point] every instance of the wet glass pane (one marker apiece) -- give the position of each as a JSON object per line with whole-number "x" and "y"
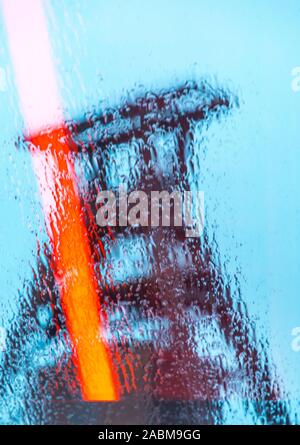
{"x": 149, "y": 242}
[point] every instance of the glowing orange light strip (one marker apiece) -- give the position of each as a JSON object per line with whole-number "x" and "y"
{"x": 37, "y": 88}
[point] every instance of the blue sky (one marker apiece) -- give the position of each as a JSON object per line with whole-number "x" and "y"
{"x": 252, "y": 158}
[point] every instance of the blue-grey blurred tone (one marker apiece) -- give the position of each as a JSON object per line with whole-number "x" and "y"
{"x": 246, "y": 158}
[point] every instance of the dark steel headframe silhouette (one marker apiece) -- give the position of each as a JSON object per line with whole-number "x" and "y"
{"x": 175, "y": 110}
{"x": 179, "y": 109}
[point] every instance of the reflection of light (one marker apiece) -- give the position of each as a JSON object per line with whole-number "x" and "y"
{"x": 128, "y": 259}
{"x": 33, "y": 68}
{"x": 40, "y": 103}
